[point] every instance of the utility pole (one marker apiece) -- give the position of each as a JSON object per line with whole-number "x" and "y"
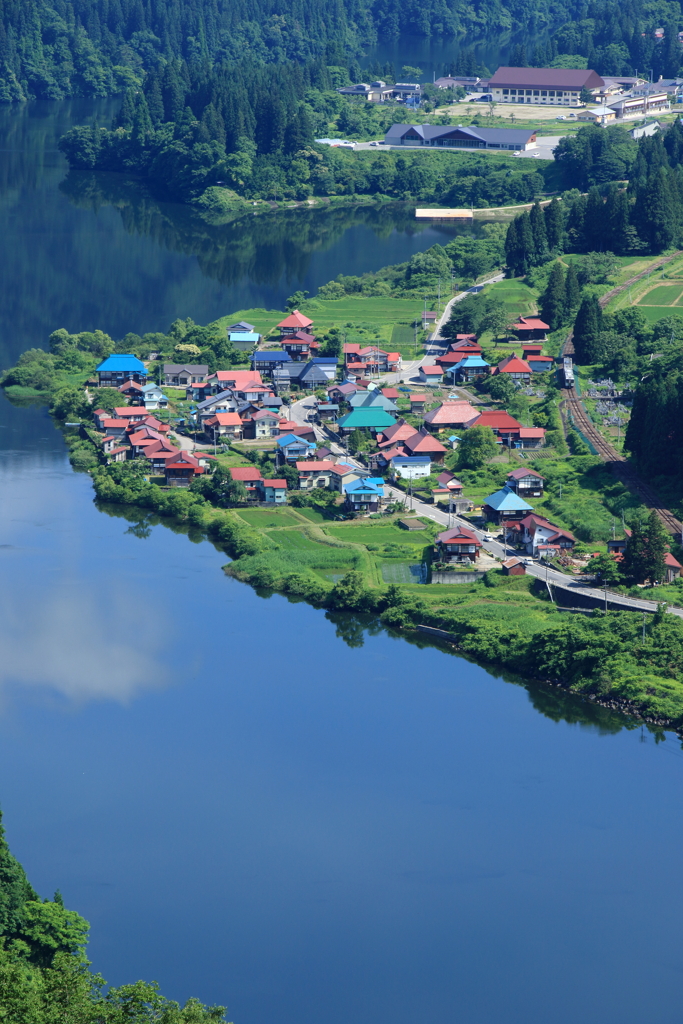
{"x": 643, "y": 627}
{"x": 605, "y": 597}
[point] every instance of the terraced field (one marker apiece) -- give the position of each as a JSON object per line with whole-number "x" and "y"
{"x": 662, "y": 300}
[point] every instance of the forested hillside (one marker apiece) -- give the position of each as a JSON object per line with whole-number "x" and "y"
{"x": 56, "y": 48}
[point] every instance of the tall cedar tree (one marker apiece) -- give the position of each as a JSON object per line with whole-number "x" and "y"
{"x": 537, "y": 222}
{"x": 645, "y": 551}
{"x": 587, "y": 328}
{"x": 554, "y": 299}
{"x": 554, "y": 224}
{"x": 573, "y": 290}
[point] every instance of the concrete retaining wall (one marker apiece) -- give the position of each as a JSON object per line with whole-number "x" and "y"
{"x": 457, "y": 577}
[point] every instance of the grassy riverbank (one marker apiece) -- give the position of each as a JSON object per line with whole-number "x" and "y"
{"x": 502, "y": 621}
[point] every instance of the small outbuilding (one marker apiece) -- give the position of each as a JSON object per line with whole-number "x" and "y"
{"x": 514, "y": 567}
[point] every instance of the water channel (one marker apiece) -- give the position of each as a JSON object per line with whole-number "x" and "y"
{"x": 309, "y": 821}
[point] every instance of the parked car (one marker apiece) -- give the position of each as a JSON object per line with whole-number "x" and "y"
{"x": 560, "y": 117}
{"x": 375, "y": 143}
{"x": 486, "y": 97}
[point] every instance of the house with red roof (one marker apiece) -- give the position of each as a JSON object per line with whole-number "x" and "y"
{"x": 450, "y": 415}
{"x": 370, "y": 359}
{"x": 467, "y": 345}
{"x": 133, "y": 391}
{"x": 181, "y": 470}
{"x": 530, "y": 328}
{"x": 114, "y": 426}
{"x": 502, "y": 424}
{"x": 250, "y": 477}
{"x": 540, "y": 364}
{"x": 673, "y": 568}
{"x": 526, "y": 482}
{"x": 449, "y": 481}
{"x": 132, "y": 413}
{"x": 272, "y": 492}
{"x": 417, "y": 403}
{"x": 266, "y": 423}
{"x": 458, "y": 545}
{"x": 223, "y": 379}
{"x": 300, "y": 345}
{"x": 293, "y": 323}
{"x": 423, "y": 443}
{"x": 224, "y": 424}
{"x": 431, "y": 374}
{"x": 537, "y": 532}
{"x": 530, "y": 437}
{"x": 532, "y": 348}
{"x": 515, "y": 368}
{"x": 395, "y": 434}
{"x": 314, "y": 473}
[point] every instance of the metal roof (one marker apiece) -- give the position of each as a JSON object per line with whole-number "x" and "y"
{"x": 374, "y": 417}
{"x": 429, "y": 132}
{"x": 122, "y": 363}
{"x": 550, "y": 78}
{"x": 507, "y": 501}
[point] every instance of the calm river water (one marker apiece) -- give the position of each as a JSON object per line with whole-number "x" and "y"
{"x": 247, "y": 807}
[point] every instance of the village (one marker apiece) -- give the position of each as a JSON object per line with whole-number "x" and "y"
{"x": 366, "y": 435}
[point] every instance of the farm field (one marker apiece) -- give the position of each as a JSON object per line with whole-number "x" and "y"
{"x": 662, "y": 295}
{"x": 368, "y": 319}
{"x": 264, "y": 518}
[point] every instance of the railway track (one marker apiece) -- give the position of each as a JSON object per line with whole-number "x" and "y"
{"x": 619, "y": 464}
{"x": 568, "y": 346}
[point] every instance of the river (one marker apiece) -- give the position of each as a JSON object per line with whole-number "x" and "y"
{"x": 308, "y": 821}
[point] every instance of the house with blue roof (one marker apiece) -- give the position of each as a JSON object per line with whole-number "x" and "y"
{"x": 244, "y": 340}
{"x": 120, "y": 367}
{"x": 292, "y": 448}
{"x": 372, "y": 399}
{"x": 410, "y": 467}
{"x": 267, "y": 362}
{"x": 365, "y": 495}
{"x": 471, "y": 368}
{"x": 505, "y": 506}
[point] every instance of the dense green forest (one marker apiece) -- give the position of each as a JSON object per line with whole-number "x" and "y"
{"x": 45, "y": 977}
{"x": 56, "y": 48}
{"x": 244, "y": 134}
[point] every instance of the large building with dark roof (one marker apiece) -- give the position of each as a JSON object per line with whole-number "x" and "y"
{"x": 460, "y": 138}
{"x": 553, "y": 86}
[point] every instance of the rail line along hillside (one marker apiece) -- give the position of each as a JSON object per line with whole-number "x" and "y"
{"x": 619, "y": 464}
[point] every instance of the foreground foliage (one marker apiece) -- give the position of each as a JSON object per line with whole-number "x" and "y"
{"x": 45, "y": 977}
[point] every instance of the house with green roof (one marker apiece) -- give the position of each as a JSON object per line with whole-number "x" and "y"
{"x": 372, "y": 419}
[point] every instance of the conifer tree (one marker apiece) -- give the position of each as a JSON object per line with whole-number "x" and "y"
{"x": 594, "y": 222}
{"x": 155, "y": 101}
{"x": 572, "y": 290}
{"x": 659, "y": 214}
{"x": 554, "y": 225}
{"x": 540, "y": 241}
{"x": 644, "y": 558}
{"x": 512, "y": 254}
{"x": 618, "y": 228}
{"x": 554, "y": 299}
{"x": 587, "y": 327}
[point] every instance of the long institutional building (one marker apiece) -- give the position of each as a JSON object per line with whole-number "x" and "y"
{"x": 554, "y": 86}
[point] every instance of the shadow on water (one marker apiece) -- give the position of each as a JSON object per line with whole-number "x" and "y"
{"x": 352, "y": 628}
{"x": 270, "y": 248}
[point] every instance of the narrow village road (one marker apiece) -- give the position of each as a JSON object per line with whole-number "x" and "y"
{"x": 445, "y": 316}
{"x": 542, "y": 572}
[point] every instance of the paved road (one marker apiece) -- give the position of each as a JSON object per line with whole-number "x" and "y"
{"x": 542, "y": 572}
{"x": 436, "y": 335}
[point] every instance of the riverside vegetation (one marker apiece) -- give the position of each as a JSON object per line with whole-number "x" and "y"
{"x": 45, "y": 977}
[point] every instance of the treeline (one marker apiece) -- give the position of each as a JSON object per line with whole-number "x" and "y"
{"x": 654, "y": 434}
{"x": 44, "y": 973}
{"x": 55, "y": 48}
{"x": 251, "y": 135}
